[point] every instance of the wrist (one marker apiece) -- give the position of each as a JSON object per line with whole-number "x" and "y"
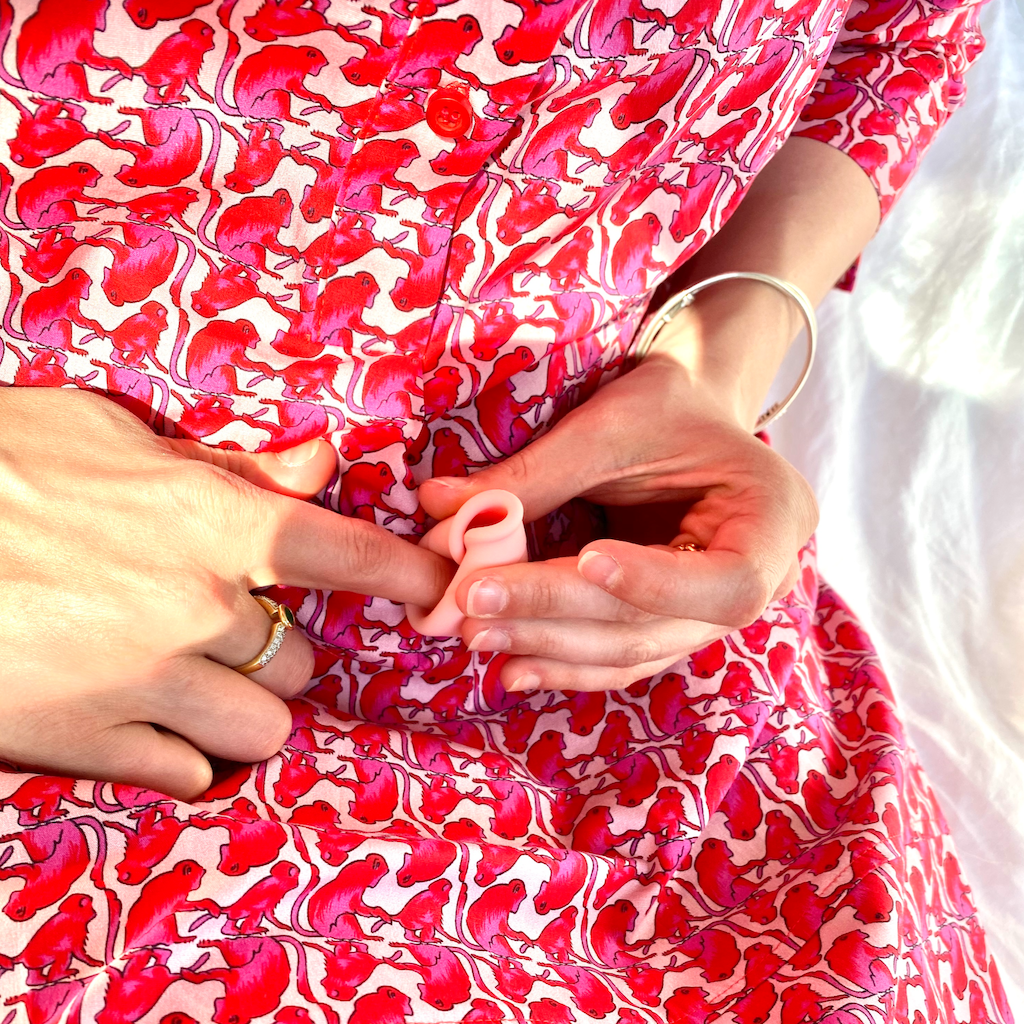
{"x": 730, "y": 342}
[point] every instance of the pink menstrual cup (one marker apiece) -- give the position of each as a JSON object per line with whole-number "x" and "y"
{"x": 486, "y": 532}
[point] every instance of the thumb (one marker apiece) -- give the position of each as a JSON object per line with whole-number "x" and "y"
{"x": 298, "y": 472}
{"x": 544, "y": 475}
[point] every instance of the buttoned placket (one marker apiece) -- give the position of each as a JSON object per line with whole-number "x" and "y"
{"x": 460, "y": 126}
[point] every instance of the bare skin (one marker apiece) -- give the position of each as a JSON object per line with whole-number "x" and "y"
{"x": 677, "y": 430}
{"x": 151, "y": 547}
{"x": 126, "y": 562}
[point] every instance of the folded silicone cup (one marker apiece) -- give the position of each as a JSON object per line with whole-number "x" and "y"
{"x": 498, "y": 539}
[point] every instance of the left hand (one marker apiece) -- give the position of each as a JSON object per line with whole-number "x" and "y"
{"x": 622, "y": 611}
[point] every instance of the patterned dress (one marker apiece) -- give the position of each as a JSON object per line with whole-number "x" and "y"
{"x": 426, "y": 230}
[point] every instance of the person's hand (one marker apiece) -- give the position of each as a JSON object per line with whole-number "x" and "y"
{"x": 126, "y": 562}
{"x": 622, "y": 611}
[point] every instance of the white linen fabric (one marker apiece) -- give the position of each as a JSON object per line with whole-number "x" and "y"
{"x": 911, "y": 429}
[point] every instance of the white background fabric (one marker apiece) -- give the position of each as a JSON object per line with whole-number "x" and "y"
{"x": 919, "y": 470}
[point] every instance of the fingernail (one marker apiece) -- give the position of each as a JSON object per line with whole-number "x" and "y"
{"x": 490, "y": 640}
{"x": 300, "y": 454}
{"x": 599, "y": 568}
{"x": 486, "y": 597}
{"x": 528, "y": 681}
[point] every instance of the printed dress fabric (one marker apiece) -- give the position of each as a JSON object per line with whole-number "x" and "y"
{"x": 238, "y": 220}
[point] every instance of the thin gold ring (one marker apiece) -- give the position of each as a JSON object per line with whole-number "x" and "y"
{"x": 283, "y": 619}
{"x": 689, "y": 546}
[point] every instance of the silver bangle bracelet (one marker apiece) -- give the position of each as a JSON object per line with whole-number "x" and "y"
{"x": 685, "y": 298}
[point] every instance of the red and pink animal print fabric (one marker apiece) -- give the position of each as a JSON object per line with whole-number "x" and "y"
{"x": 236, "y": 219}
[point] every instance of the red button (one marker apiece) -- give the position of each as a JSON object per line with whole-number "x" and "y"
{"x": 449, "y": 113}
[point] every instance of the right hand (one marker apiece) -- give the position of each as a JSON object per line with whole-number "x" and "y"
{"x": 126, "y": 562}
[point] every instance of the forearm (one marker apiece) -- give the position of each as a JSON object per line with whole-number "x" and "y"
{"x": 805, "y": 219}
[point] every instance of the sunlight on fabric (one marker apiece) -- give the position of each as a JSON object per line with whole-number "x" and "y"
{"x": 962, "y": 353}
{"x": 953, "y": 317}
{"x": 952, "y": 314}
{"x": 911, "y": 430}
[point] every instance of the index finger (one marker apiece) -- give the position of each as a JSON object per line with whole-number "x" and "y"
{"x": 303, "y": 545}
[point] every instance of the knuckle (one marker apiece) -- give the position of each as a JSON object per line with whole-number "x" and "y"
{"x": 204, "y": 603}
{"x": 541, "y": 598}
{"x": 198, "y": 482}
{"x": 519, "y": 468}
{"x": 811, "y": 510}
{"x": 205, "y": 493}
{"x": 638, "y": 648}
{"x": 193, "y": 778}
{"x": 803, "y": 502}
{"x": 750, "y": 597}
{"x": 543, "y": 639}
{"x": 661, "y": 590}
{"x": 266, "y": 732}
{"x": 368, "y": 560}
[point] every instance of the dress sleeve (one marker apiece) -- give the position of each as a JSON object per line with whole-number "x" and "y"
{"x": 895, "y": 74}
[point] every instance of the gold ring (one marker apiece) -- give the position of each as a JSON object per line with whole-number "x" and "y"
{"x": 283, "y": 619}
{"x": 689, "y": 546}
